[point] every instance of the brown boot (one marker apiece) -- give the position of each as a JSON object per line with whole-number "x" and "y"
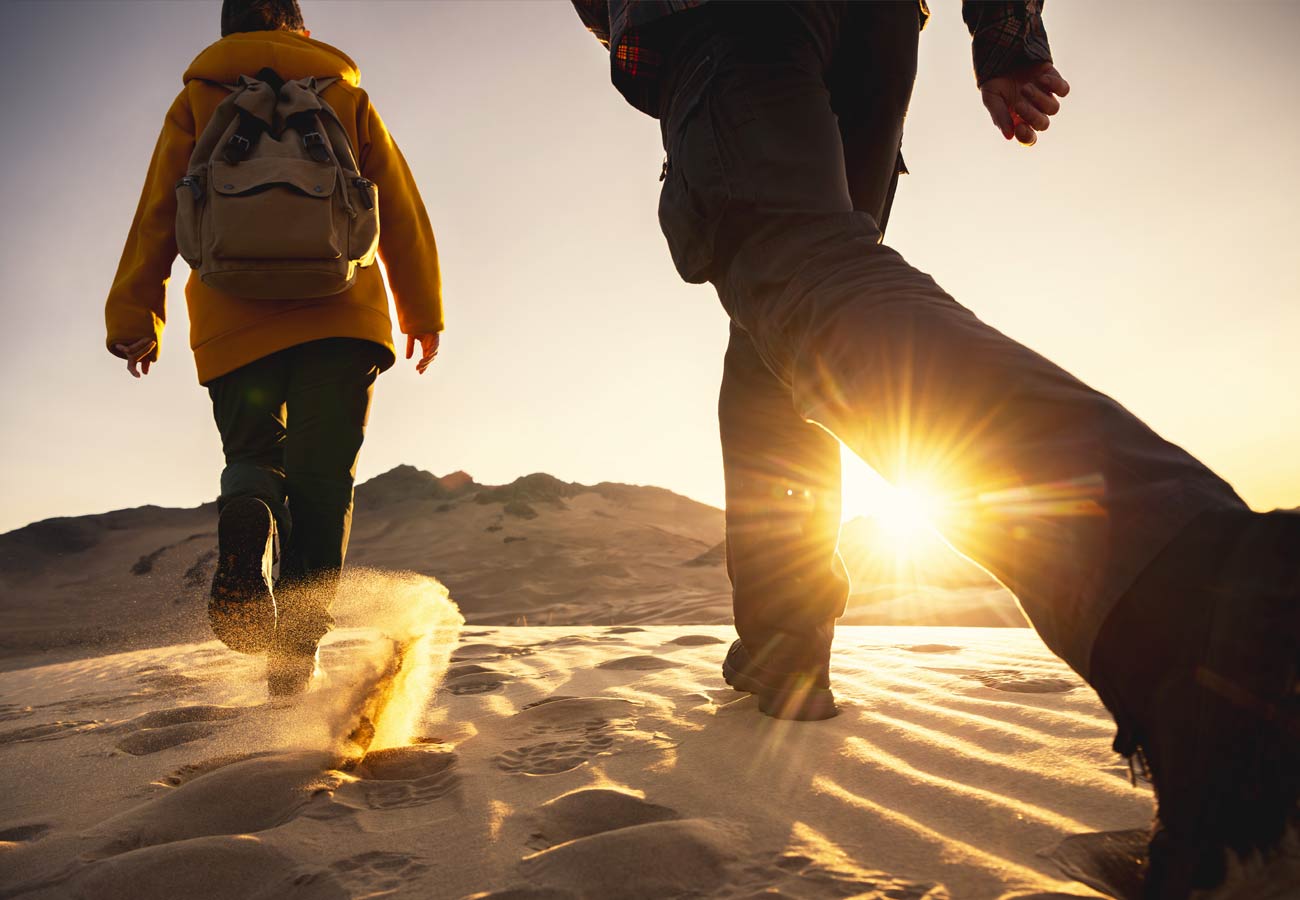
{"x": 1199, "y": 665}
{"x": 292, "y": 661}
{"x": 803, "y": 694}
{"x": 290, "y": 670}
{"x": 241, "y": 607}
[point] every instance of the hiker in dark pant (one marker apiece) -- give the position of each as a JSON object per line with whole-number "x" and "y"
{"x": 289, "y": 364}
{"x": 1141, "y": 568}
{"x": 304, "y": 472}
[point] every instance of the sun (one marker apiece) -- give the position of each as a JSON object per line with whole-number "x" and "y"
{"x": 903, "y": 513}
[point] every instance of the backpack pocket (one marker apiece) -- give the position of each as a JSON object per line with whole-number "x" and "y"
{"x": 363, "y": 230}
{"x": 275, "y": 208}
{"x": 189, "y": 208}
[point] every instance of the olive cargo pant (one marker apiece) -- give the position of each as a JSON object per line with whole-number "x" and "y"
{"x": 291, "y": 428}
{"x": 782, "y": 156}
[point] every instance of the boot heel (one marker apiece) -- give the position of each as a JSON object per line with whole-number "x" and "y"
{"x": 241, "y": 606}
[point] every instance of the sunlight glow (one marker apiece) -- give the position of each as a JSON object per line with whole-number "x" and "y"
{"x": 903, "y": 513}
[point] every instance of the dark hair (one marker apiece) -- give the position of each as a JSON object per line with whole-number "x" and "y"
{"x": 260, "y": 15}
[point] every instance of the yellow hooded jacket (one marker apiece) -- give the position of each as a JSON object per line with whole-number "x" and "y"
{"x": 227, "y": 332}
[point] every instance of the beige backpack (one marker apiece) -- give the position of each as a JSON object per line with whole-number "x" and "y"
{"x": 273, "y": 205}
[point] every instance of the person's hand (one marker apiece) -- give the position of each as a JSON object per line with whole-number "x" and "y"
{"x": 1022, "y": 103}
{"x": 136, "y": 354}
{"x": 428, "y": 349}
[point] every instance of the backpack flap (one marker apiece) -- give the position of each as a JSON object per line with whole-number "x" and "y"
{"x": 275, "y": 208}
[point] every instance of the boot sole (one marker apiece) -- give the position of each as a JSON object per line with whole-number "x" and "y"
{"x": 241, "y": 607}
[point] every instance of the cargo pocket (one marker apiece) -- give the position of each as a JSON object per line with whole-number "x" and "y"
{"x": 189, "y": 209}
{"x": 694, "y": 196}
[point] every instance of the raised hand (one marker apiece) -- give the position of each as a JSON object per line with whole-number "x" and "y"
{"x": 1022, "y": 103}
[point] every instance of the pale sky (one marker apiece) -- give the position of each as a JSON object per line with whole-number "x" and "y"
{"x": 1147, "y": 244}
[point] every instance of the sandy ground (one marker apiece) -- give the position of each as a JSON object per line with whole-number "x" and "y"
{"x": 556, "y": 762}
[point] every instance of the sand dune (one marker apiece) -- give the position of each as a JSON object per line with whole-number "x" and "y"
{"x": 560, "y": 762}
{"x": 537, "y": 551}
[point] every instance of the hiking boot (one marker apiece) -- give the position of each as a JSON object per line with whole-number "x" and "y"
{"x": 803, "y": 694}
{"x": 241, "y": 607}
{"x": 1198, "y": 664}
{"x": 290, "y": 670}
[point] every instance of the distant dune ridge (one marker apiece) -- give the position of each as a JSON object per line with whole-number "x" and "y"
{"x": 536, "y": 551}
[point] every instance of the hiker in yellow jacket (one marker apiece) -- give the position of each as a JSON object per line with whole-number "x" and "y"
{"x": 290, "y": 380}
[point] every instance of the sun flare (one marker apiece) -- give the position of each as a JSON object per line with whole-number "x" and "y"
{"x": 904, "y": 513}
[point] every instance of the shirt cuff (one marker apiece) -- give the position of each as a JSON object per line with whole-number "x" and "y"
{"x": 1009, "y": 40}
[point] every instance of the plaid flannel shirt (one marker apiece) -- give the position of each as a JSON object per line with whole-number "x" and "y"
{"x": 1006, "y": 35}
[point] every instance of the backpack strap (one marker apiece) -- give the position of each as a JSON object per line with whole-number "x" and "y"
{"x": 304, "y": 110}
{"x": 255, "y": 105}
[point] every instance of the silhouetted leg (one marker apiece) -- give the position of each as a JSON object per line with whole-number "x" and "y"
{"x": 1054, "y": 488}
{"x": 783, "y": 517}
{"x": 248, "y": 406}
{"x": 328, "y": 402}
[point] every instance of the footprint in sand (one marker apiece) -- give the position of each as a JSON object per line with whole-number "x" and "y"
{"x": 624, "y": 629}
{"x": 168, "y": 682}
{"x": 407, "y": 763}
{"x": 470, "y": 652}
{"x": 482, "y": 682}
{"x": 400, "y": 777}
{"x": 166, "y": 728}
{"x": 153, "y": 740}
{"x": 1023, "y": 682}
{"x": 377, "y": 872}
{"x": 696, "y": 640}
{"x": 639, "y": 663}
{"x": 591, "y": 811}
{"x": 50, "y": 731}
{"x": 580, "y": 728}
{"x": 23, "y": 834}
{"x": 405, "y": 794}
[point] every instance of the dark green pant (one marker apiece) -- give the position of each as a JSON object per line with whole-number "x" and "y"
{"x": 291, "y": 428}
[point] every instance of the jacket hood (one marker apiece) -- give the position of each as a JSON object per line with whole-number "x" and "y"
{"x": 290, "y": 54}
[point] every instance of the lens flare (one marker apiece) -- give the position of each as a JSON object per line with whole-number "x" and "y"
{"x": 903, "y": 513}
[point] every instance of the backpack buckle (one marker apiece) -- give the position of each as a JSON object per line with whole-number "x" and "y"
{"x": 314, "y": 141}
{"x": 240, "y": 144}
{"x": 195, "y": 186}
